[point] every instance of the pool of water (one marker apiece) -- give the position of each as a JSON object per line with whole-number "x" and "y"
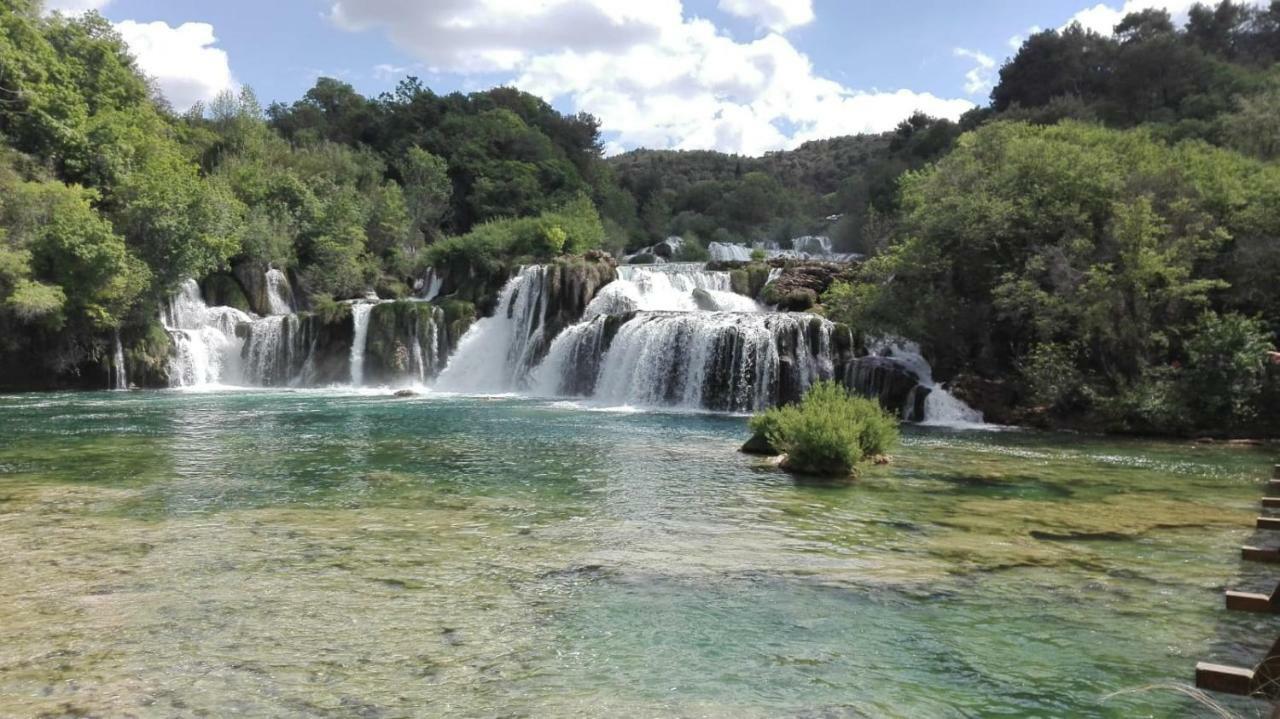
{"x": 330, "y": 554}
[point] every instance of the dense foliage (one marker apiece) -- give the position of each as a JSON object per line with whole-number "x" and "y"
{"x": 829, "y": 432}
{"x": 1100, "y": 245}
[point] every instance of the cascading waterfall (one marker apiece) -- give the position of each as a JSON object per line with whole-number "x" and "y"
{"x": 118, "y": 373}
{"x": 496, "y": 353}
{"x": 733, "y": 362}
{"x": 672, "y": 287}
{"x": 206, "y": 346}
{"x": 431, "y": 285}
{"x": 940, "y": 406}
{"x": 360, "y": 312}
{"x": 278, "y": 293}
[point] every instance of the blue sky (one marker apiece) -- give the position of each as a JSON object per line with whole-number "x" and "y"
{"x": 737, "y": 75}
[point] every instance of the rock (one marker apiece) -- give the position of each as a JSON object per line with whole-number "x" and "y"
{"x": 405, "y": 393}
{"x": 887, "y": 380}
{"x": 221, "y": 289}
{"x": 705, "y": 301}
{"x": 253, "y": 278}
{"x": 644, "y": 258}
{"x": 801, "y": 284}
{"x": 759, "y": 444}
{"x": 995, "y": 399}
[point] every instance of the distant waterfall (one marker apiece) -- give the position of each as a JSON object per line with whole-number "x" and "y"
{"x": 279, "y": 293}
{"x": 360, "y": 332}
{"x": 206, "y": 347}
{"x": 118, "y": 374}
{"x": 431, "y": 285}
{"x": 496, "y": 354}
{"x": 671, "y": 287}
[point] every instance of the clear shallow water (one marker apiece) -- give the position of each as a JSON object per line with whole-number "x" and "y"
{"x": 328, "y": 554}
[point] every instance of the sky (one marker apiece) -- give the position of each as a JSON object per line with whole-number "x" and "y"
{"x": 745, "y": 76}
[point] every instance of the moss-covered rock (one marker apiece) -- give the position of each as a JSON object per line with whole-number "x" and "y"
{"x": 406, "y": 341}
{"x": 146, "y": 355}
{"x": 224, "y": 289}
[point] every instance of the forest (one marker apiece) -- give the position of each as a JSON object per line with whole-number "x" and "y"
{"x": 1098, "y": 247}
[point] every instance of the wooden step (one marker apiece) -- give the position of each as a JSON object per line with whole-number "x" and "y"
{"x": 1268, "y": 522}
{"x": 1251, "y": 602}
{"x": 1261, "y": 681}
{"x": 1271, "y": 502}
{"x": 1225, "y": 679}
{"x": 1260, "y": 554}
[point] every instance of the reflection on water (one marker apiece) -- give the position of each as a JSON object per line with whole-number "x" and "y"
{"x": 325, "y": 554}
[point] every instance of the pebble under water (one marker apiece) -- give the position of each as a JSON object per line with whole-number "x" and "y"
{"x": 334, "y": 554}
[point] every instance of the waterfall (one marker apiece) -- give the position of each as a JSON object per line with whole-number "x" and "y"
{"x": 940, "y": 406}
{"x": 279, "y": 293}
{"x": 496, "y": 353}
{"x": 360, "y": 335}
{"x": 724, "y": 361}
{"x": 118, "y": 375}
{"x": 205, "y": 344}
{"x": 431, "y": 285}
{"x": 673, "y": 287}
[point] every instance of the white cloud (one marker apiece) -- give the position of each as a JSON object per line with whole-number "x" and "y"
{"x": 654, "y": 77}
{"x": 1103, "y": 17}
{"x": 501, "y": 35}
{"x": 182, "y": 59}
{"x": 1015, "y": 42}
{"x": 74, "y": 7}
{"x": 776, "y": 15}
{"x": 981, "y": 78}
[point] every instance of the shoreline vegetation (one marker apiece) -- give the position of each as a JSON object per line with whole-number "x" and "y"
{"x": 1097, "y": 249}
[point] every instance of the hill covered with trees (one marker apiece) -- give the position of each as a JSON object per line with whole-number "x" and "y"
{"x": 1099, "y": 246}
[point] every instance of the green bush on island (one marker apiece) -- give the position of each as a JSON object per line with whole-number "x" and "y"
{"x": 829, "y": 432}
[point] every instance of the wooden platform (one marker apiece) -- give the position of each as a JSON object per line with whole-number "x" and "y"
{"x": 1268, "y": 522}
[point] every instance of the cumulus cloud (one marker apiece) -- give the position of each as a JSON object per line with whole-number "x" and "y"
{"x": 183, "y": 61}
{"x": 74, "y": 7}
{"x": 981, "y": 78}
{"x": 1103, "y": 17}
{"x": 654, "y": 77}
{"x": 776, "y": 15}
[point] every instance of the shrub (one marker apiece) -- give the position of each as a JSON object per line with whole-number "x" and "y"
{"x": 829, "y": 432}
{"x": 1051, "y": 377}
{"x": 757, "y": 255}
{"x": 1226, "y": 368}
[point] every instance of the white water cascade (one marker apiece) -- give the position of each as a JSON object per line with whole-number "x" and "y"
{"x": 360, "y": 336}
{"x": 681, "y": 287}
{"x": 278, "y": 293}
{"x": 675, "y": 335}
{"x": 940, "y": 406}
{"x": 495, "y": 354}
{"x": 206, "y": 347}
{"x": 119, "y": 374}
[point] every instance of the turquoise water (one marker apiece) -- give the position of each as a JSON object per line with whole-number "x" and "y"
{"x": 327, "y": 554}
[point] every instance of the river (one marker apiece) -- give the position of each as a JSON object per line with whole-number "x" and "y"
{"x": 346, "y": 553}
